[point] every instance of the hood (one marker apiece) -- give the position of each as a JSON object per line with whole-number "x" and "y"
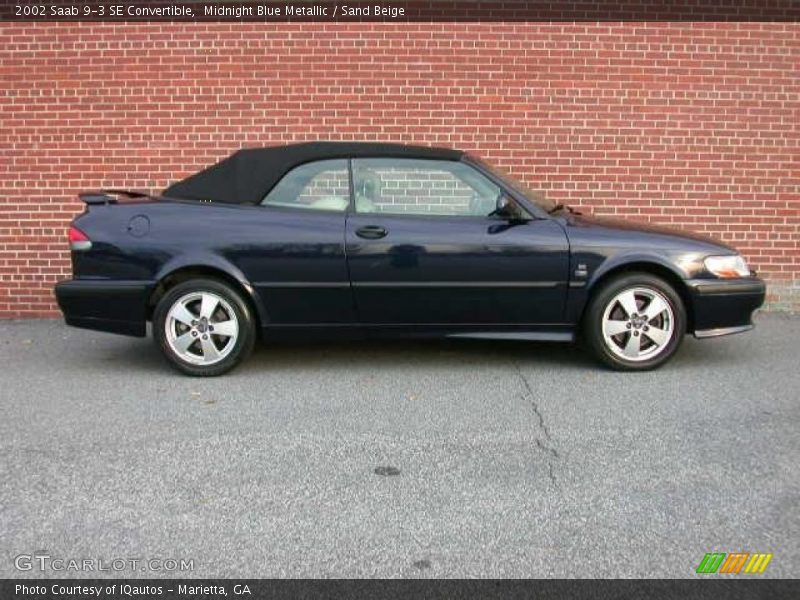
{"x": 668, "y": 234}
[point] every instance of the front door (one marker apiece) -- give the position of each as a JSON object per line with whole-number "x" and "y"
{"x": 423, "y": 248}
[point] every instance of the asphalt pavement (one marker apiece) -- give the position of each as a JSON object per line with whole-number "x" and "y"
{"x": 398, "y": 459}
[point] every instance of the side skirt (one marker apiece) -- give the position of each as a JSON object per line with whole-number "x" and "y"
{"x": 560, "y": 332}
{"x": 528, "y": 336}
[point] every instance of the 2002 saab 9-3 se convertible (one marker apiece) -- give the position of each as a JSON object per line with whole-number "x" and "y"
{"x": 379, "y": 239}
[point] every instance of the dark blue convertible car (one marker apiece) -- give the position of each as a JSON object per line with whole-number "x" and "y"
{"x": 344, "y": 239}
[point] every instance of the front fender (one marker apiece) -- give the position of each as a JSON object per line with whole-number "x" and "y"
{"x": 631, "y": 259}
{"x": 599, "y": 266}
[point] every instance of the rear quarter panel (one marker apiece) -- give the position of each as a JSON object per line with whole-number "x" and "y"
{"x": 267, "y": 250}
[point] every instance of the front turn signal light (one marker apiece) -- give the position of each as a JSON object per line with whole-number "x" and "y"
{"x": 727, "y": 267}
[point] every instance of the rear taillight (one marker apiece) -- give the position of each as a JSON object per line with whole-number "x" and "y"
{"x": 78, "y": 240}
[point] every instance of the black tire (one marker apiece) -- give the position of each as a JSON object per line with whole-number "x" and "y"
{"x": 232, "y": 300}
{"x": 605, "y": 298}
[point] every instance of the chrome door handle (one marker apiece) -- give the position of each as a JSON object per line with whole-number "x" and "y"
{"x": 371, "y": 232}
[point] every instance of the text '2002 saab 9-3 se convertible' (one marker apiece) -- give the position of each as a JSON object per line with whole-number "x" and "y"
{"x": 339, "y": 239}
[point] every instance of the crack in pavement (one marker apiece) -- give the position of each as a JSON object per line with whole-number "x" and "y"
{"x": 542, "y": 442}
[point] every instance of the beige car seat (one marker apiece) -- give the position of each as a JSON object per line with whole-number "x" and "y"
{"x": 367, "y": 188}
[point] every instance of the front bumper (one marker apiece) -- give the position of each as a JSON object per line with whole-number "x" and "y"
{"x": 724, "y": 306}
{"x": 112, "y": 306}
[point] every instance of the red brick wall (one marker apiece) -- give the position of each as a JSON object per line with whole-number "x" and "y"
{"x": 690, "y": 124}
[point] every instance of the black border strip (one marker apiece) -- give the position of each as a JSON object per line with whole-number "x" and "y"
{"x": 400, "y": 10}
{"x": 740, "y": 588}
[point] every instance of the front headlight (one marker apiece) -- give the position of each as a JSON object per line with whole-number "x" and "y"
{"x": 727, "y": 266}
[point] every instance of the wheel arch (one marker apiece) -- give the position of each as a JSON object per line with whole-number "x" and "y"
{"x": 172, "y": 276}
{"x": 650, "y": 266}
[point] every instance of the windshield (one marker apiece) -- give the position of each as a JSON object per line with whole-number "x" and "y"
{"x": 515, "y": 184}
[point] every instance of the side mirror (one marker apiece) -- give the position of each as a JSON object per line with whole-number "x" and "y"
{"x": 502, "y": 207}
{"x": 506, "y": 208}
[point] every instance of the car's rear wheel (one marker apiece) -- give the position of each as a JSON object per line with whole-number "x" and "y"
{"x": 203, "y": 327}
{"x": 635, "y": 322}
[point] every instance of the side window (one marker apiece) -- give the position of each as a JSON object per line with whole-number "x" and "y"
{"x": 421, "y": 187}
{"x": 320, "y": 185}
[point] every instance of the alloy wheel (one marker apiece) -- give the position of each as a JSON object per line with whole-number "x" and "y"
{"x": 201, "y": 328}
{"x": 638, "y": 324}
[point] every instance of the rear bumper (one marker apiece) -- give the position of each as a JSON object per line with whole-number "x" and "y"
{"x": 112, "y": 306}
{"x": 724, "y": 306}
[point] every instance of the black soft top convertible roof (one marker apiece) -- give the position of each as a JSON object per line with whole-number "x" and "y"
{"x": 246, "y": 176}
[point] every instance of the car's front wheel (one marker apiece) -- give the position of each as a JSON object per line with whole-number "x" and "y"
{"x": 203, "y": 327}
{"x": 635, "y": 322}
